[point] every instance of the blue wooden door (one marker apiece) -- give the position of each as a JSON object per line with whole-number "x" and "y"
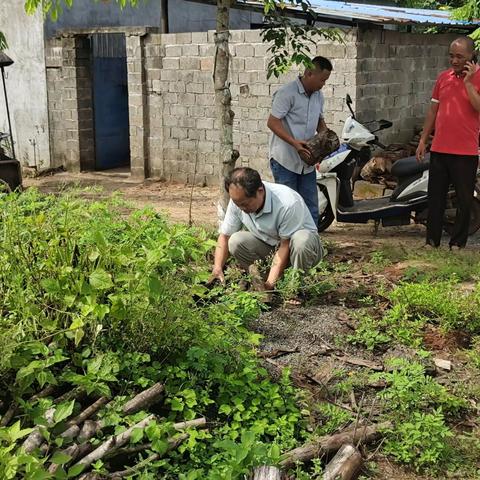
{"x": 110, "y": 101}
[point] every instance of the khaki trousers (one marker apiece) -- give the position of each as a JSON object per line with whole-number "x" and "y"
{"x": 306, "y": 249}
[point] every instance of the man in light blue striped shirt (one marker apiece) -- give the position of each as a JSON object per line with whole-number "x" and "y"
{"x": 297, "y": 114}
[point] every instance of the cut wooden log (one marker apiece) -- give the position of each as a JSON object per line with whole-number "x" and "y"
{"x": 321, "y": 145}
{"x": 74, "y": 451}
{"x": 144, "y": 399}
{"x": 267, "y": 473}
{"x": 332, "y": 443}
{"x": 89, "y": 429}
{"x": 71, "y": 451}
{"x": 345, "y": 465}
{"x": 35, "y": 439}
{"x": 113, "y": 442}
{"x": 71, "y": 432}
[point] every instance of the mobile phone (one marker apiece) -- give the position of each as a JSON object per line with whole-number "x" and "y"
{"x": 474, "y": 58}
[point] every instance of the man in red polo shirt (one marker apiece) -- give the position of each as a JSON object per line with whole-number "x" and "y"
{"x": 454, "y": 117}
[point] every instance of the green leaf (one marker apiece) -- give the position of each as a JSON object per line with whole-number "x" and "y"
{"x": 75, "y": 471}
{"x": 137, "y": 435}
{"x": 60, "y": 458}
{"x": 160, "y": 446}
{"x": 101, "y": 280}
{"x": 177, "y": 404}
{"x": 63, "y": 411}
{"x": 226, "y": 409}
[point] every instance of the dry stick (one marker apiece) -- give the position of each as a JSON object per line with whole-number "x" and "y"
{"x": 344, "y": 465}
{"x": 331, "y": 443}
{"x": 172, "y": 443}
{"x": 190, "y": 221}
{"x": 89, "y": 411}
{"x": 123, "y": 452}
{"x": 369, "y": 416}
{"x": 70, "y": 395}
{"x": 9, "y": 414}
{"x": 267, "y": 473}
{"x": 199, "y": 422}
{"x": 48, "y": 390}
{"x": 112, "y": 442}
{"x": 359, "y": 411}
{"x": 144, "y": 399}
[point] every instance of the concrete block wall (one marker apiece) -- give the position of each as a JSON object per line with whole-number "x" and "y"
{"x": 396, "y": 72}
{"x": 183, "y": 135}
{"x": 70, "y": 115}
{"x": 173, "y": 118}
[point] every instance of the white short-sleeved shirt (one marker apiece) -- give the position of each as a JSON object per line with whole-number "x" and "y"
{"x": 284, "y": 213}
{"x": 300, "y": 114}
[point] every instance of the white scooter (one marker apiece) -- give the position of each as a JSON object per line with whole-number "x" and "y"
{"x": 408, "y": 201}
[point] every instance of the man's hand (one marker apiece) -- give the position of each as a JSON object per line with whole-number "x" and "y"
{"x": 217, "y": 274}
{"x": 302, "y": 148}
{"x": 221, "y": 255}
{"x": 420, "y": 153}
{"x": 470, "y": 69}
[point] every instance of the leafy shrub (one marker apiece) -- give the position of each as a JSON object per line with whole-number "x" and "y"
{"x": 439, "y": 302}
{"x": 369, "y": 334}
{"x": 420, "y": 441}
{"x": 96, "y": 297}
{"x": 415, "y": 403}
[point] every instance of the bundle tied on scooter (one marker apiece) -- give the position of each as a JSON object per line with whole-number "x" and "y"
{"x": 321, "y": 145}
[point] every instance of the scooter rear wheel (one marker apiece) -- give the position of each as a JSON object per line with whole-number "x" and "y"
{"x": 474, "y": 218}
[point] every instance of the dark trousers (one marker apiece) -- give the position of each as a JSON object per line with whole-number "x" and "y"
{"x": 446, "y": 169}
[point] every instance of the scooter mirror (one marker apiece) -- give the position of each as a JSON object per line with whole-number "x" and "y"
{"x": 348, "y": 99}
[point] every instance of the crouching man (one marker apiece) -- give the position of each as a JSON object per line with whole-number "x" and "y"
{"x": 276, "y": 221}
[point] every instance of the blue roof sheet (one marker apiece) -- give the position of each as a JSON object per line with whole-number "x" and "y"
{"x": 380, "y": 13}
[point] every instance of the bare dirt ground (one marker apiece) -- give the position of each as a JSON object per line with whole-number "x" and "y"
{"x": 309, "y": 334}
{"x": 175, "y": 200}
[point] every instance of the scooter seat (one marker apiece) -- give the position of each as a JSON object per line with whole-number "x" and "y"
{"x": 407, "y": 167}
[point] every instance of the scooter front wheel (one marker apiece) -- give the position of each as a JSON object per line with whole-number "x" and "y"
{"x": 325, "y": 219}
{"x": 474, "y": 218}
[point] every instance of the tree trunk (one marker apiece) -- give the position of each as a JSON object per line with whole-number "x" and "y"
{"x": 345, "y": 465}
{"x": 223, "y": 98}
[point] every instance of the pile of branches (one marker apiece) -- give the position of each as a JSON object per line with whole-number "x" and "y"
{"x": 85, "y": 439}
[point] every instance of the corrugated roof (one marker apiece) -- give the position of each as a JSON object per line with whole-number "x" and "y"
{"x": 381, "y": 14}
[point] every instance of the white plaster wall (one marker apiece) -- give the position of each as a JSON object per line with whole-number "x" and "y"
{"x": 26, "y": 84}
